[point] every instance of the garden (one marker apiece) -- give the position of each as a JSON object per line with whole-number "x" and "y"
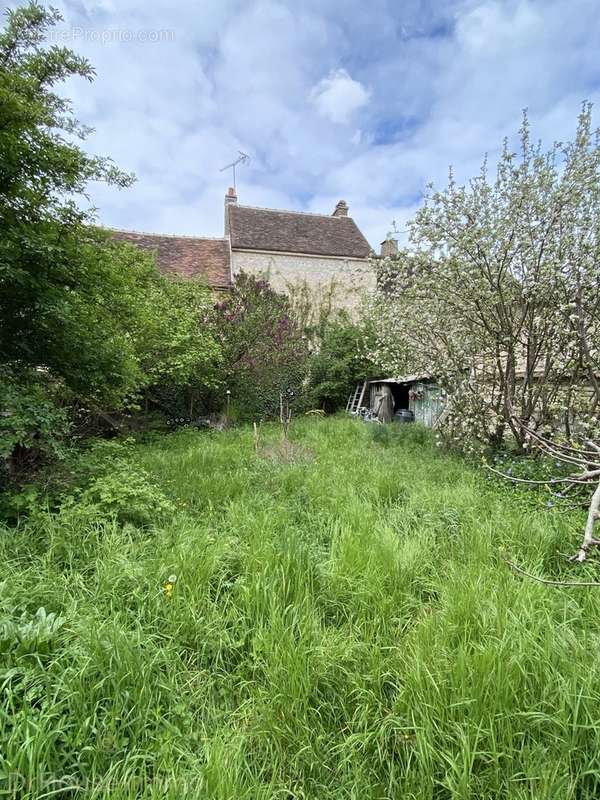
{"x": 207, "y": 620}
{"x": 215, "y": 584}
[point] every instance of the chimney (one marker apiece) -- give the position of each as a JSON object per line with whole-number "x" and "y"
{"x": 230, "y": 200}
{"x": 389, "y": 247}
{"x": 341, "y": 209}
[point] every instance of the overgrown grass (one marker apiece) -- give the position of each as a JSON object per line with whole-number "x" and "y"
{"x": 342, "y": 626}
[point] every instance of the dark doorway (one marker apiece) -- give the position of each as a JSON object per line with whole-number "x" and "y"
{"x": 400, "y": 393}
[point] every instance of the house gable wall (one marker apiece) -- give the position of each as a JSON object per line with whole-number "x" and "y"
{"x": 285, "y": 270}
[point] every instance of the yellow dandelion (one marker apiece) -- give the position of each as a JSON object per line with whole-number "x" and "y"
{"x": 169, "y": 585}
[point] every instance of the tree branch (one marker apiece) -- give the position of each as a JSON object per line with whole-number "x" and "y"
{"x": 547, "y": 581}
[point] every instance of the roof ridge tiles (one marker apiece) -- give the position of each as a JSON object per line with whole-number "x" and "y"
{"x": 168, "y": 235}
{"x": 289, "y": 211}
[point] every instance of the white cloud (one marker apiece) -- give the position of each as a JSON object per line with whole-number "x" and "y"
{"x": 446, "y": 82}
{"x": 493, "y": 26}
{"x": 338, "y": 96}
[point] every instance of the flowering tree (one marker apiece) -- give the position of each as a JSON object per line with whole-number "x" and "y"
{"x": 265, "y": 350}
{"x": 499, "y": 298}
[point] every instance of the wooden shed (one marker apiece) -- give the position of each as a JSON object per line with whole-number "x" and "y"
{"x": 388, "y": 397}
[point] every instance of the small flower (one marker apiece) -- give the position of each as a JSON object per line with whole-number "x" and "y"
{"x": 169, "y": 585}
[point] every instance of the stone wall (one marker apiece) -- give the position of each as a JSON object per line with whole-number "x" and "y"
{"x": 350, "y": 276}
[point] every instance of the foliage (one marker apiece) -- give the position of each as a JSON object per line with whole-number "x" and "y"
{"x": 381, "y": 434}
{"x": 60, "y": 288}
{"x": 97, "y": 481}
{"x": 265, "y": 350}
{"x": 128, "y": 494}
{"x": 577, "y": 482}
{"x": 78, "y": 310}
{"x": 177, "y": 345}
{"x": 410, "y": 436}
{"x": 314, "y": 308}
{"x": 500, "y": 298}
{"x": 32, "y": 425}
{"x": 340, "y": 627}
{"x": 338, "y": 363}
{"x": 28, "y": 636}
{"x": 103, "y": 480}
{"x": 66, "y": 297}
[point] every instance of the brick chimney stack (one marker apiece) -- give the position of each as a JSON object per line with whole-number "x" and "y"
{"x": 341, "y": 209}
{"x": 389, "y": 247}
{"x": 230, "y": 200}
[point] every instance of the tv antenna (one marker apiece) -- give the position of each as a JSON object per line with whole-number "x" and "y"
{"x": 243, "y": 158}
{"x": 393, "y": 232}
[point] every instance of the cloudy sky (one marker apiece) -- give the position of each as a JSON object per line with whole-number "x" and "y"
{"x": 365, "y": 100}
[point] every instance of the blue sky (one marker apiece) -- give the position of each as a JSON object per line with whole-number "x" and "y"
{"x": 365, "y": 100}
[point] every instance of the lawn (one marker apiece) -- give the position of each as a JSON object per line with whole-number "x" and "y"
{"x": 342, "y": 625}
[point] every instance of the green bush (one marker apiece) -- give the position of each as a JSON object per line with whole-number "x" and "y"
{"x": 338, "y": 363}
{"x": 129, "y": 495}
{"x": 32, "y": 425}
{"x": 98, "y": 482}
{"x": 110, "y": 485}
{"x": 265, "y": 350}
{"x": 27, "y": 635}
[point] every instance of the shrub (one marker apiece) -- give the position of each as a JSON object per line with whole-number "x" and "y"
{"x": 265, "y": 349}
{"x": 109, "y": 484}
{"x": 28, "y": 635}
{"x": 129, "y": 495}
{"x": 32, "y": 425}
{"x": 338, "y": 363}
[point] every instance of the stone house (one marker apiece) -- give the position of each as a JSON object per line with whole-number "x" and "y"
{"x": 287, "y": 247}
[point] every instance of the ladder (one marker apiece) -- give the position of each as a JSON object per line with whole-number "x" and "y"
{"x": 355, "y": 400}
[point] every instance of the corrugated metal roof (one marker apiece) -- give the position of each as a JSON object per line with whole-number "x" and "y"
{"x": 405, "y": 378}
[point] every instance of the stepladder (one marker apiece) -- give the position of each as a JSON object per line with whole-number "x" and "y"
{"x": 355, "y": 400}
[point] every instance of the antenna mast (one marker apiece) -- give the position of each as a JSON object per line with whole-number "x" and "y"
{"x": 243, "y": 158}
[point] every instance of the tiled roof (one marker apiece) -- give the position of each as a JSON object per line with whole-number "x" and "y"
{"x": 186, "y": 256}
{"x": 294, "y": 232}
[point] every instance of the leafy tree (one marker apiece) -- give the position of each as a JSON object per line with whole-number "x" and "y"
{"x": 82, "y": 317}
{"x": 500, "y": 298}
{"x": 338, "y": 363}
{"x": 178, "y": 346}
{"x": 61, "y": 284}
{"x": 264, "y": 349}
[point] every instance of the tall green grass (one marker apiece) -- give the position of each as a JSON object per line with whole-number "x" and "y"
{"x": 342, "y": 626}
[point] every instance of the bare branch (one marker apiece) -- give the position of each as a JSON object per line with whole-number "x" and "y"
{"x": 582, "y": 478}
{"x": 550, "y": 444}
{"x": 548, "y": 582}
{"x": 588, "y": 536}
